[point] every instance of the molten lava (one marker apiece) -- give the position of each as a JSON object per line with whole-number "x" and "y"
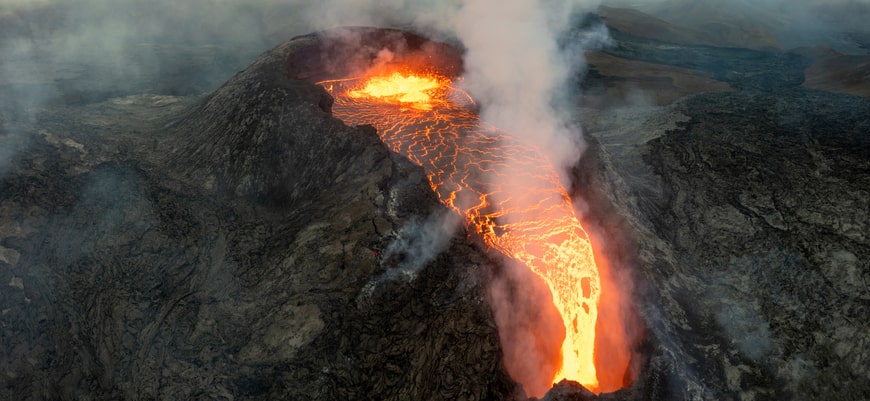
{"x": 412, "y": 90}
{"x": 509, "y": 194}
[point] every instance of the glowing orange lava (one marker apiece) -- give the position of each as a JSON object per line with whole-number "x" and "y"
{"x": 412, "y": 90}
{"x": 509, "y": 194}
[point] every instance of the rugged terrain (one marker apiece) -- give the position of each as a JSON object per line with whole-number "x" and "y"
{"x": 750, "y": 211}
{"x": 229, "y": 247}
{"x": 238, "y": 245}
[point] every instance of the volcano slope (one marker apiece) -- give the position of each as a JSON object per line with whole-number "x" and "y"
{"x": 233, "y": 246}
{"x": 750, "y": 210}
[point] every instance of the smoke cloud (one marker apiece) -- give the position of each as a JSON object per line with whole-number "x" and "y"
{"x": 417, "y": 243}
{"x": 420, "y": 242}
{"x": 520, "y": 65}
{"x": 529, "y": 326}
{"x": 516, "y": 67}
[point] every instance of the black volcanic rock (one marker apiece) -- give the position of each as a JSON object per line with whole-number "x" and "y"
{"x": 230, "y": 248}
{"x": 749, "y": 213}
{"x": 263, "y": 134}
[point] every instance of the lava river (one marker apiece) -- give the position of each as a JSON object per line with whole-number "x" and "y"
{"x": 510, "y": 196}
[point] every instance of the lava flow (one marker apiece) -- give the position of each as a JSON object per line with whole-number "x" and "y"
{"x": 509, "y": 194}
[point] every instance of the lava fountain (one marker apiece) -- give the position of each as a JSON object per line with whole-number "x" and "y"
{"x": 422, "y": 116}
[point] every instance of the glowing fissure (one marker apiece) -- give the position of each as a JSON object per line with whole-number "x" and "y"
{"x": 510, "y": 196}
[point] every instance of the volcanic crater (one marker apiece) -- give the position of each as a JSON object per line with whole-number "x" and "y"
{"x": 245, "y": 244}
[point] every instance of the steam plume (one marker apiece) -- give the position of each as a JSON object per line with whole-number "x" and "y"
{"x": 515, "y": 68}
{"x": 518, "y": 69}
{"x": 420, "y": 242}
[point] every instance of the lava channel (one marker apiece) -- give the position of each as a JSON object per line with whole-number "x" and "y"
{"x": 510, "y": 196}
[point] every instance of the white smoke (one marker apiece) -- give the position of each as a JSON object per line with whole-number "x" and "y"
{"x": 516, "y": 68}
{"x": 419, "y": 242}
{"x": 416, "y": 244}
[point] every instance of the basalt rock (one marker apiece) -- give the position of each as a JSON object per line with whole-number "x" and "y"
{"x": 747, "y": 215}
{"x": 230, "y": 248}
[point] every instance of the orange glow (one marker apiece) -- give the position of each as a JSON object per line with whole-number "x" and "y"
{"x": 510, "y": 196}
{"x": 414, "y": 90}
